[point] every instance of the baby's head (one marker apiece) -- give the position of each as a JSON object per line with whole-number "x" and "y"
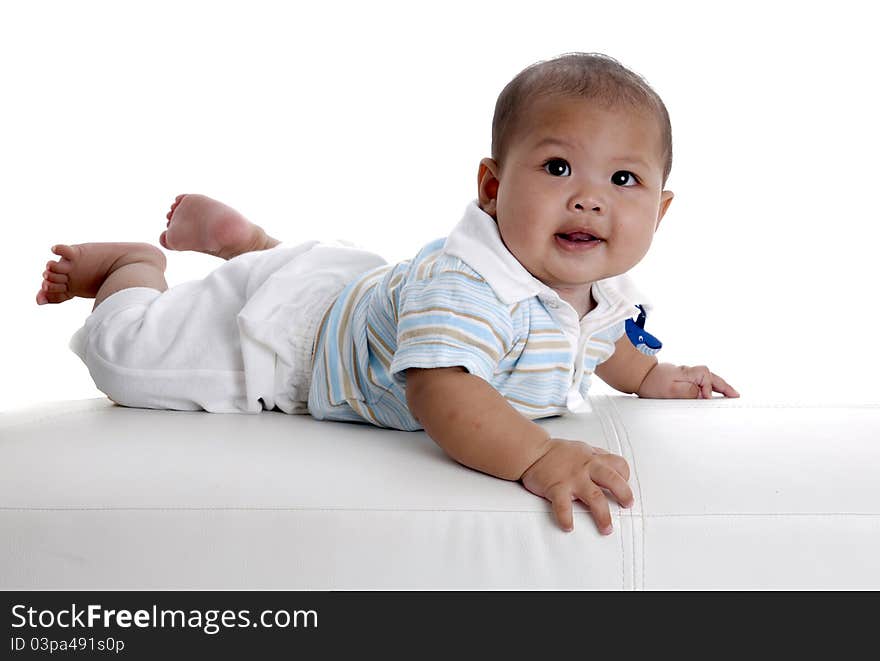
{"x": 580, "y": 145}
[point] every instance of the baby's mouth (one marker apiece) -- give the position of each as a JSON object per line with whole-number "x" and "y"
{"x": 578, "y": 237}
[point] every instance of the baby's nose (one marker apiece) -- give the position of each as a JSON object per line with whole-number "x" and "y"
{"x": 593, "y": 205}
{"x": 587, "y": 197}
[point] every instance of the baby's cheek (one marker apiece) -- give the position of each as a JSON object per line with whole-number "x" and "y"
{"x": 641, "y": 240}
{"x": 517, "y": 240}
{"x": 628, "y": 252}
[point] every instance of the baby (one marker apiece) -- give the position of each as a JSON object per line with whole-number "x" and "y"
{"x": 500, "y": 323}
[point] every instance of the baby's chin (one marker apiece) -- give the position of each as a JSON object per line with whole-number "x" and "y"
{"x": 560, "y": 282}
{"x": 568, "y": 276}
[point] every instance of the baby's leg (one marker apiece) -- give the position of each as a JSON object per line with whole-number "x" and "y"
{"x": 97, "y": 270}
{"x": 197, "y": 222}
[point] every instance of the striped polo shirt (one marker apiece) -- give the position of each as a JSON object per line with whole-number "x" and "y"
{"x": 462, "y": 301}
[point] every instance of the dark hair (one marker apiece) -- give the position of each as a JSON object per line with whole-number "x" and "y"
{"x": 586, "y": 75}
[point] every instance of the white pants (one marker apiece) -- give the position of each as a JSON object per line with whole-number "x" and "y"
{"x": 238, "y": 341}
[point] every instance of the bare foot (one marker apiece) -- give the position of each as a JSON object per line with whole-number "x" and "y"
{"x": 84, "y": 267}
{"x": 200, "y": 223}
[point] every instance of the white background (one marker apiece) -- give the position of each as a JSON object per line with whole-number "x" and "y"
{"x": 366, "y": 121}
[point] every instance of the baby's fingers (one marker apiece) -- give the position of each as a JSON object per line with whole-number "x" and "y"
{"x": 616, "y": 462}
{"x": 606, "y": 476}
{"x": 699, "y": 383}
{"x": 720, "y": 385}
{"x": 592, "y": 495}
{"x": 560, "y": 499}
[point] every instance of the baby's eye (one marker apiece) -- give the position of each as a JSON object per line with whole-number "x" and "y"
{"x": 558, "y": 167}
{"x": 621, "y": 177}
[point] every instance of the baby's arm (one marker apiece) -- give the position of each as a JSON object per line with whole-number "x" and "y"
{"x": 476, "y": 426}
{"x": 630, "y": 371}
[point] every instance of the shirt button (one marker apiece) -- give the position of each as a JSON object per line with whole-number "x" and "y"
{"x": 552, "y": 304}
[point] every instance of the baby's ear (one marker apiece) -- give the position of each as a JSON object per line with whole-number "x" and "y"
{"x": 487, "y": 185}
{"x": 665, "y": 200}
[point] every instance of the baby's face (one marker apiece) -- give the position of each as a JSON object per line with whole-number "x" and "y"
{"x": 575, "y": 169}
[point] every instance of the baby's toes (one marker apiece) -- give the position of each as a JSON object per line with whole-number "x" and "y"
{"x": 52, "y": 276}
{"x": 61, "y": 267}
{"x": 54, "y": 287}
{"x": 174, "y": 206}
{"x": 53, "y": 292}
{"x": 64, "y": 251}
{"x": 57, "y": 296}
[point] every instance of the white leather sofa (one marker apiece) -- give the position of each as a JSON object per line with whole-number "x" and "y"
{"x": 730, "y": 494}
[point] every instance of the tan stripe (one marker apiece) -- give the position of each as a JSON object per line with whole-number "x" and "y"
{"x": 459, "y": 313}
{"x": 543, "y": 331}
{"x": 385, "y": 347}
{"x": 533, "y": 346}
{"x": 596, "y": 354}
{"x": 426, "y": 268}
{"x": 327, "y": 377}
{"x": 515, "y": 352}
{"x": 364, "y": 411}
{"x": 467, "y": 275}
{"x": 396, "y": 279}
{"x": 393, "y": 294}
{"x": 536, "y": 370}
{"x": 546, "y": 413}
{"x": 431, "y": 330}
{"x": 527, "y": 405}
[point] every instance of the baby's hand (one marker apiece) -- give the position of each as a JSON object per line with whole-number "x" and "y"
{"x": 667, "y": 381}
{"x": 572, "y": 470}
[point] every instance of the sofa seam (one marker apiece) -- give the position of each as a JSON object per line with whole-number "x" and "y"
{"x": 622, "y": 437}
{"x": 624, "y": 433}
{"x": 610, "y": 434}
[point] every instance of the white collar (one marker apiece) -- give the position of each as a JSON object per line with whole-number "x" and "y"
{"x": 476, "y": 241}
